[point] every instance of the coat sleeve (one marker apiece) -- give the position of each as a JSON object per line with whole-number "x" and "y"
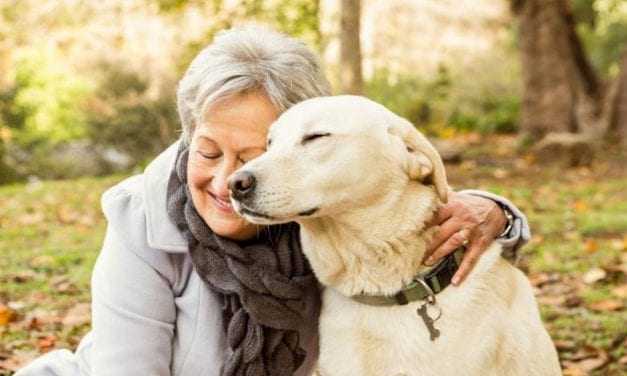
{"x": 133, "y": 310}
{"x": 518, "y": 235}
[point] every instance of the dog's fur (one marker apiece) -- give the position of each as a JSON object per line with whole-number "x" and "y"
{"x": 362, "y": 192}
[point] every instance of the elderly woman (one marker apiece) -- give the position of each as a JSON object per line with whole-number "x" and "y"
{"x": 183, "y": 285}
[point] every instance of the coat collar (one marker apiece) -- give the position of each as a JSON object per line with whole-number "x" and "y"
{"x": 161, "y": 232}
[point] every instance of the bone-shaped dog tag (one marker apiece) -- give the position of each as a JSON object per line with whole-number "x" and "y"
{"x": 433, "y": 331}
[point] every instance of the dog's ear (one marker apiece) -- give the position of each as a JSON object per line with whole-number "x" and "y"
{"x": 422, "y": 160}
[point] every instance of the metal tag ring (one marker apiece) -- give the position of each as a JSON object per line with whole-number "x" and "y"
{"x": 431, "y": 297}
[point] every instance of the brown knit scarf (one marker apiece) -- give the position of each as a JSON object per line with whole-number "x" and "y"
{"x": 266, "y": 286}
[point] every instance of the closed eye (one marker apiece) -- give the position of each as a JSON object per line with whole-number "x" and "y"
{"x": 210, "y": 156}
{"x": 313, "y": 136}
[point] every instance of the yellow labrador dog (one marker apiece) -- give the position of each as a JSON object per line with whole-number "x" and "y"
{"x": 362, "y": 182}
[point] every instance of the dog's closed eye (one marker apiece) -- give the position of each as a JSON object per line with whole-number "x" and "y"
{"x": 313, "y": 136}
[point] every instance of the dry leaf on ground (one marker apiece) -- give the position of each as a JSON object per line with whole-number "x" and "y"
{"x": 590, "y": 246}
{"x": 620, "y": 291}
{"x": 78, "y": 315}
{"x": 586, "y": 359}
{"x": 47, "y": 342}
{"x": 6, "y": 315}
{"x": 606, "y": 305}
{"x": 594, "y": 275}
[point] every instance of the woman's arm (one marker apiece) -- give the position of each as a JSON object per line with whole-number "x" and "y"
{"x": 474, "y": 219}
{"x": 133, "y": 311}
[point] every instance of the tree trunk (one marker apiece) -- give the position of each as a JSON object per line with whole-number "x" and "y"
{"x": 566, "y": 107}
{"x": 617, "y": 124}
{"x": 351, "y": 78}
{"x": 549, "y": 90}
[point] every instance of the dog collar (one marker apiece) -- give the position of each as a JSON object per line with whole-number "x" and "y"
{"x": 421, "y": 287}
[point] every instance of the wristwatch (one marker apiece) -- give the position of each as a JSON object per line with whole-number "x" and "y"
{"x": 510, "y": 221}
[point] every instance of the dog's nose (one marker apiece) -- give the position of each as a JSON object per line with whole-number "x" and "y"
{"x": 242, "y": 184}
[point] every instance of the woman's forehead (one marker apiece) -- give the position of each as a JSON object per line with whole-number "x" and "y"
{"x": 240, "y": 121}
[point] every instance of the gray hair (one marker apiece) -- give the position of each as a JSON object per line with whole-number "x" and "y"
{"x": 244, "y": 59}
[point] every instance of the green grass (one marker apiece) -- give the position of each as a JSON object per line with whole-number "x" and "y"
{"x": 51, "y": 232}
{"x": 50, "y": 235}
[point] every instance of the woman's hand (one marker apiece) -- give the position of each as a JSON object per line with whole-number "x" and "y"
{"x": 466, "y": 220}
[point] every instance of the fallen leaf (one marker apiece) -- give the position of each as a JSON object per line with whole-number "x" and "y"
{"x": 620, "y": 291}
{"x": 87, "y": 220}
{"x": 573, "y": 371}
{"x": 530, "y": 158}
{"x": 536, "y": 239}
{"x": 606, "y": 305}
{"x": 46, "y": 343}
{"x": 618, "y": 244}
{"x": 39, "y": 317}
{"x": 67, "y": 215}
{"x": 594, "y": 275}
{"x": 572, "y": 235}
{"x": 17, "y": 360}
{"x": 468, "y": 165}
{"x": 620, "y": 341}
{"x": 78, "y": 315}
{"x": 31, "y": 218}
{"x": 500, "y": 173}
{"x": 564, "y": 345}
{"x": 590, "y": 246}
{"x": 33, "y": 324}
{"x": 42, "y": 261}
{"x": 580, "y": 206}
{"x": 573, "y": 301}
{"x": 6, "y": 315}
{"x": 63, "y": 284}
{"x": 554, "y": 300}
{"x": 38, "y": 297}
{"x": 541, "y": 279}
{"x": 16, "y": 305}
{"x": 587, "y": 359}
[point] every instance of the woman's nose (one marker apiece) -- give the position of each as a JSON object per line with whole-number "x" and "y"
{"x": 221, "y": 178}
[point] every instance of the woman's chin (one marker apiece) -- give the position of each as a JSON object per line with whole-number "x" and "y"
{"x": 232, "y": 227}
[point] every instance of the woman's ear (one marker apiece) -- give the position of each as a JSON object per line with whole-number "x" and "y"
{"x": 422, "y": 161}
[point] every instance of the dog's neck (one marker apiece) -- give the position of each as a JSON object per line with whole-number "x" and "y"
{"x": 376, "y": 249}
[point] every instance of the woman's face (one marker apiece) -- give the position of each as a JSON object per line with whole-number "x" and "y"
{"x": 233, "y": 133}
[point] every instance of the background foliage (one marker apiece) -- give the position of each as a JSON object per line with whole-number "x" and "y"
{"x": 59, "y": 87}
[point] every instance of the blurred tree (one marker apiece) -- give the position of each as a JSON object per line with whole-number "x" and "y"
{"x": 43, "y": 96}
{"x": 602, "y": 26}
{"x": 617, "y": 127}
{"x": 566, "y": 104}
{"x": 351, "y": 77}
{"x": 298, "y": 18}
{"x": 124, "y": 116}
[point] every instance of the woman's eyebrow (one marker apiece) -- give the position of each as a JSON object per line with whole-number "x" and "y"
{"x": 206, "y": 138}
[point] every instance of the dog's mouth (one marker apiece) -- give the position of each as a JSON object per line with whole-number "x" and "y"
{"x": 243, "y": 210}
{"x": 260, "y": 217}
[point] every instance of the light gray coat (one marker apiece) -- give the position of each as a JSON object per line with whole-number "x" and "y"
{"x": 151, "y": 312}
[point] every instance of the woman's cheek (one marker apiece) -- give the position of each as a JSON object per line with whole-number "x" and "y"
{"x": 198, "y": 174}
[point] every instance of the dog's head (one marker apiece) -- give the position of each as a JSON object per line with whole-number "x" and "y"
{"x": 331, "y": 154}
